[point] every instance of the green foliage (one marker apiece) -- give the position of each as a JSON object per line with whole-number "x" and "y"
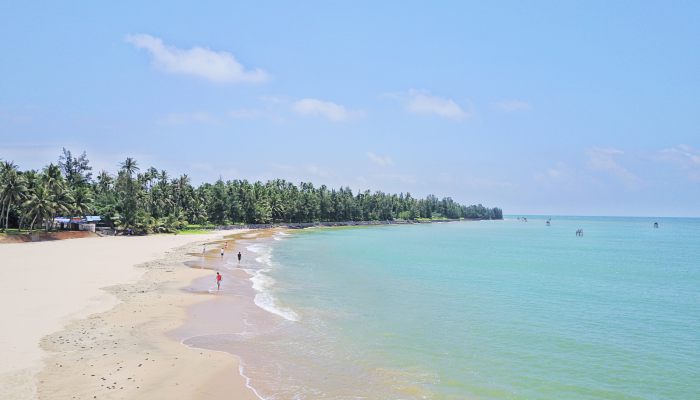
{"x": 76, "y": 170}
{"x": 151, "y": 201}
{"x": 198, "y": 227}
{"x": 194, "y": 231}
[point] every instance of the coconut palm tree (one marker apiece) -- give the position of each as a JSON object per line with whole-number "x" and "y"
{"x": 31, "y": 180}
{"x": 151, "y": 176}
{"x": 130, "y": 166}
{"x": 13, "y": 191}
{"x": 163, "y": 178}
{"x": 127, "y": 192}
{"x": 83, "y": 201}
{"x": 5, "y": 169}
{"x": 52, "y": 177}
{"x": 40, "y": 205}
{"x": 180, "y": 188}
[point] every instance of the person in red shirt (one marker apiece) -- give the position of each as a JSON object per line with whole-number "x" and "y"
{"x": 218, "y": 281}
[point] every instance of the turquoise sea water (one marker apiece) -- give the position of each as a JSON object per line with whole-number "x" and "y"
{"x": 487, "y": 310}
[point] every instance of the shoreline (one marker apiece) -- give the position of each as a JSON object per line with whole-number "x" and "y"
{"x": 304, "y": 225}
{"x": 105, "y": 334}
{"x": 239, "y": 301}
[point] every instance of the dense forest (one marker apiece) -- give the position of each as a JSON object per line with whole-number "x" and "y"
{"x": 152, "y": 201}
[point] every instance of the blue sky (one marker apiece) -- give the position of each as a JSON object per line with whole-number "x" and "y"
{"x": 585, "y": 108}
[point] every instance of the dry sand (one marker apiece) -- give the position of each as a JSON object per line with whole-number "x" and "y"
{"x": 88, "y": 318}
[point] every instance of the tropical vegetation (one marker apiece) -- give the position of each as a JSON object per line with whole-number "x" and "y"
{"x": 150, "y": 200}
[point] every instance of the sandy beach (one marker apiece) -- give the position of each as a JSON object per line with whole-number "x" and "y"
{"x": 89, "y": 318}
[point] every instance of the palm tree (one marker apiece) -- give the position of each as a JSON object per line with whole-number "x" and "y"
{"x": 31, "y": 180}
{"x": 181, "y": 185}
{"x": 52, "y": 177}
{"x": 151, "y": 176}
{"x": 13, "y": 191}
{"x": 82, "y": 201}
{"x": 63, "y": 201}
{"x": 163, "y": 178}
{"x": 129, "y": 166}
{"x": 5, "y": 168}
{"x": 40, "y": 204}
{"x": 128, "y": 197}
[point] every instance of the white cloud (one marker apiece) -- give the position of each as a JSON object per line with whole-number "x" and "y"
{"x": 420, "y": 102}
{"x": 605, "y": 160}
{"x": 327, "y": 109}
{"x": 197, "y": 117}
{"x": 513, "y": 105}
{"x": 216, "y": 66}
{"x": 684, "y": 156}
{"x": 379, "y": 160}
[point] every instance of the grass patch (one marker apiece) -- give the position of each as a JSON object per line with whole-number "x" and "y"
{"x": 194, "y": 231}
{"x": 13, "y": 231}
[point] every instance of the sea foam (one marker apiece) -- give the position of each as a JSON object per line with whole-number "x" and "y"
{"x": 263, "y": 284}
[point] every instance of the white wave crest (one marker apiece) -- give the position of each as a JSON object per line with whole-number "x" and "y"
{"x": 264, "y": 299}
{"x": 280, "y": 235}
{"x": 267, "y": 302}
{"x": 261, "y": 282}
{"x": 264, "y": 253}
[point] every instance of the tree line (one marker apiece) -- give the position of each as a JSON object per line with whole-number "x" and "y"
{"x": 150, "y": 200}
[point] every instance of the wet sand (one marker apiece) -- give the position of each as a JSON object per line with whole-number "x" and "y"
{"x": 232, "y": 314}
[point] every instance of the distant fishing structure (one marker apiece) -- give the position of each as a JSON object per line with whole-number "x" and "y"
{"x": 579, "y": 232}
{"x": 548, "y": 222}
{"x": 656, "y": 225}
{"x": 523, "y": 219}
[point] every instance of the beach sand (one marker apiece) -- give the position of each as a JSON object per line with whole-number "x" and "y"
{"x": 89, "y": 318}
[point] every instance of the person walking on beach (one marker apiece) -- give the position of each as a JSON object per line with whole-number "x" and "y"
{"x": 222, "y": 252}
{"x": 204, "y": 249}
{"x": 239, "y": 257}
{"x": 218, "y": 281}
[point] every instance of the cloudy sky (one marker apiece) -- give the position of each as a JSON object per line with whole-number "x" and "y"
{"x": 580, "y": 108}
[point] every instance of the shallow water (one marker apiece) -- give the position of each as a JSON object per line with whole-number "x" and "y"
{"x": 479, "y": 310}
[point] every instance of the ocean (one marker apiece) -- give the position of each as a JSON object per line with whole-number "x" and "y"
{"x": 479, "y": 310}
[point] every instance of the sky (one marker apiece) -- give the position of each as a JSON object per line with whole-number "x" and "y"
{"x": 554, "y": 108}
